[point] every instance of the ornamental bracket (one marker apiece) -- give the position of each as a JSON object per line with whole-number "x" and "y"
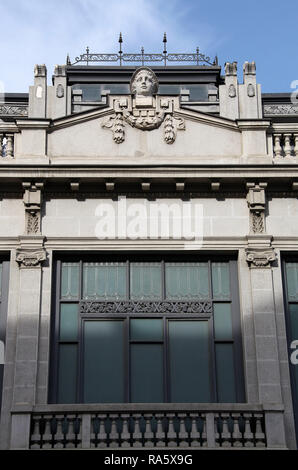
{"x": 32, "y": 201}
{"x": 256, "y": 200}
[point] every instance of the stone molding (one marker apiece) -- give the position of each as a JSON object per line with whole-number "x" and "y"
{"x": 29, "y": 258}
{"x": 260, "y": 258}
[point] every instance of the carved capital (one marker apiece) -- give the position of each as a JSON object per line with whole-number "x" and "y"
{"x": 30, "y": 258}
{"x": 260, "y": 258}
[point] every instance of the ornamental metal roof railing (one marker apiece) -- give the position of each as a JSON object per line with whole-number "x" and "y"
{"x": 90, "y": 58}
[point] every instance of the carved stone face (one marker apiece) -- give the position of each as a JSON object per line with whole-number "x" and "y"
{"x": 144, "y": 82}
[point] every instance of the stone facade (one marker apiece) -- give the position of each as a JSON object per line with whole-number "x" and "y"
{"x": 59, "y": 165}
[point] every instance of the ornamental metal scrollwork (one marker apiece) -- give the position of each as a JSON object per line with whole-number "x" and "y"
{"x": 199, "y": 307}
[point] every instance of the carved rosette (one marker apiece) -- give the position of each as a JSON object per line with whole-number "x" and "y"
{"x": 258, "y": 258}
{"x": 30, "y": 258}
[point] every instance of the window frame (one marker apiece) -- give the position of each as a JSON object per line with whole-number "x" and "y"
{"x": 148, "y": 257}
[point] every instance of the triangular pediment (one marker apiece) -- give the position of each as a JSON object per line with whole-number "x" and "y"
{"x": 153, "y": 130}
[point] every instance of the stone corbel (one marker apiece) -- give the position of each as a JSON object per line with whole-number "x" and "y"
{"x": 256, "y": 200}
{"x": 260, "y": 258}
{"x": 32, "y": 202}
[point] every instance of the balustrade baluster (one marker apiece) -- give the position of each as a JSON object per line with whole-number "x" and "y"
{"x": 35, "y": 432}
{"x": 296, "y": 145}
{"x": 217, "y": 433}
{"x": 277, "y": 147}
{"x": 9, "y": 145}
{"x": 48, "y": 433}
{"x": 114, "y": 434}
{"x": 102, "y": 435}
{"x": 160, "y": 434}
{"x": 182, "y": 434}
{"x": 195, "y": 436}
{"x": 203, "y": 421}
{"x": 287, "y": 147}
{"x": 59, "y": 437}
{"x": 137, "y": 435}
{"x": 148, "y": 435}
{"x": 125, "y": 434}
{"x": 171, "y": 434}
{"x": 236, "y": 434}
{"x": 1, "y": 145}
{"x": 259, "y": 434}
{"x": 70, "y": 434}
{"x": 248, "y": 435}
{"x": 226, "y": 434}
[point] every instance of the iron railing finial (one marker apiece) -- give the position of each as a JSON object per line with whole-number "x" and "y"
{"x": 120, "y": 40}
{"x": 165, "y": 48}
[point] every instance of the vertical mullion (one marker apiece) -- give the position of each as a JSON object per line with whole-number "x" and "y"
{"x": 127, "y": 279}
{"x": 127, "y": 363}
{"x": 163, "y": 280}
{"x": 56, "y": 358}
{"x": 236, "y": 332}
{"x": 166, "y": 359}
{"x": 80, "y": 359}
{"x": 212, "y": 366}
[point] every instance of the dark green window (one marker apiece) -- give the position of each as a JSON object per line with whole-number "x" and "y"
{"x": 4, "y": 274}
{"x": 147, "y": 330}
{"x": 291, "y": 300}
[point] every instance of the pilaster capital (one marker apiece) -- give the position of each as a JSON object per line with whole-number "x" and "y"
{"x": 260, "y": 257}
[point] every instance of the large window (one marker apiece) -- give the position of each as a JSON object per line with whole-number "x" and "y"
{"x": 146, "y": 330}
{"x": 4, "y": 273}
{"x": 290, "y": 272}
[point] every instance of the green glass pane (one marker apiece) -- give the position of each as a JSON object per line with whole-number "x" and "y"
{"x": 103, "y": 362}
{"x": 106, "y": 281}
{"x": 70, "y": 281}
{"x": 69, "y": 322}
{"x": 67, "y": 373}
{"x": 292, "y": 281}
{"x": 187, "y": 281}
{"x": 147, "y": 329}
{"x": 146, "y": 373}
{"x": 221, "y": 280}
{"x": 222, "y": 322}
{"x": 145, "y": 281}
{"x": 293, "y": 309}
{"x": 189, "y": 361}
{"x": 226, "y": 389}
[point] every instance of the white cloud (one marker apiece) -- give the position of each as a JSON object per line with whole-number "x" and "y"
{"x": 34, "y": 31}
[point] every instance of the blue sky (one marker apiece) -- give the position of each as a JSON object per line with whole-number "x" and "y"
{"x": 38, "y": 31}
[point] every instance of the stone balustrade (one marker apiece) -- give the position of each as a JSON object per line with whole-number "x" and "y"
{"x": 150, "y": 426}
{"x": 285, "y": 144}
{"x": 6, "y": 145}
